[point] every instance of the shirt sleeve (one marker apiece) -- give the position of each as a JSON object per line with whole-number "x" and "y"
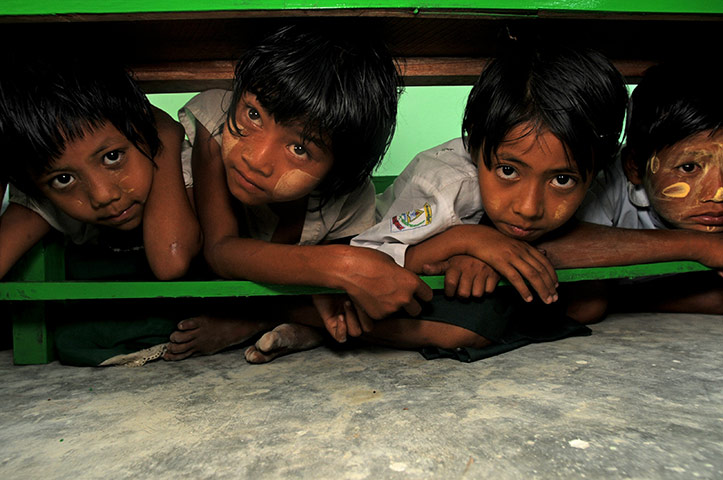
{"x": 209, "y": 108}
{"x": 356, "y": 214}
{"x": 426, "y": 199}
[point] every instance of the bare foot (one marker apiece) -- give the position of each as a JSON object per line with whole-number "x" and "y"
{"x": 285, "y": 339}
{"x": 207, "y": 335}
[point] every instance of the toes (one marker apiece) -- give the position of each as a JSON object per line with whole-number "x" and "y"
{"x": 188, "y": 324}
{"x": 182, "y": 337}
{"x": 269, "y": 341}
{"x": 253, "y": 355}
{"x": 173, "y": 357}
{"x": 179, "y": 348}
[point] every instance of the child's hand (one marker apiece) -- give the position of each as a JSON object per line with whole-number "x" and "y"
{"x": 340, "y": 317}
{"x": 465, "y": 276}
{"x": 380, "y": 287}
{"x": 518, "y": 262}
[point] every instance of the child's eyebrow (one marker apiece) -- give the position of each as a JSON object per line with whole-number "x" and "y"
{"x": 697, "y": 153}
{"x": 553, "y": 171}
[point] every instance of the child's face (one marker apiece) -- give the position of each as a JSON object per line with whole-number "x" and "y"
{"x": 531, "y": 188}
{"x": 101, "y": 179}
{"x": 270, "y": 163}
{"x": 684, "y": 183}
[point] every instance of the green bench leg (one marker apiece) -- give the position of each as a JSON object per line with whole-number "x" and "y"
{"x": 32, "y": 339}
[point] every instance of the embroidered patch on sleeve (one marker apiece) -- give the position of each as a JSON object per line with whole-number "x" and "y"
{"x": 416, "y": 218}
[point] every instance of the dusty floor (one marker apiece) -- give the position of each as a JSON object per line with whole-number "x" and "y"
{"x": 640, "y": 398}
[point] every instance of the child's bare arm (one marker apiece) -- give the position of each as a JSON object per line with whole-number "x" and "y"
{"x": 171, "y": 233}
{"x": 20, "y": 229}
{"x": 515, "y": 260}
{"x": 589, "y": 245}
{"x": 372, "y": 279}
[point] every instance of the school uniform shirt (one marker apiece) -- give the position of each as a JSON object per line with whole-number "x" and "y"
{"x": 78, "y": 232}
{"x": 341, "y": 217}
{"x": 614, "y": 201}
{"x": 437, "y": 190}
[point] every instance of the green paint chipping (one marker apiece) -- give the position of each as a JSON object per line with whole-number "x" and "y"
{"x": 34, "y": 291}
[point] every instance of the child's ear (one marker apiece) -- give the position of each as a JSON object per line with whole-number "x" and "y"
{"x": 631, "y": 168}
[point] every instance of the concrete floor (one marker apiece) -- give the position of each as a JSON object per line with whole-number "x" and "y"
{"x": 641, "y": 398}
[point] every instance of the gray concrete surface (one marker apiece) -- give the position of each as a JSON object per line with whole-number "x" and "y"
{"x": 641, "y": 398}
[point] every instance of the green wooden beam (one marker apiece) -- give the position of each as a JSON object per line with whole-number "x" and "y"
{"x": 36, "y": 291}
{"x": 59, "y": 7}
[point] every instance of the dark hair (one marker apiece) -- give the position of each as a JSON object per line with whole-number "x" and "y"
{"x": 670, "y": 104}
{"x": 344, "y": 88}
{"x": 578, "y": 95}
{"x": 44, "y": 104}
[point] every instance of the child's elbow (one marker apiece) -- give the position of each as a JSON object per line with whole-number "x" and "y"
{"x": 175, "y": 265}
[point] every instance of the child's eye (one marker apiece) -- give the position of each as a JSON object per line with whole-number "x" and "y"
{"x": 62, "y": 181}
{"x": 298, "y": 150}
{"x": 113, "y": 157}
{"x": 254, "y": 114}
{"x": 506, "y": 172}
{"x": 564, "y": 181}
{"x": 688, "y": 167}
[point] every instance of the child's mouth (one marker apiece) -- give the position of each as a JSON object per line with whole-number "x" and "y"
{"x": 244, "y": 182}
{"x": 520, "y": 232}
{"x": 122, "y": 217}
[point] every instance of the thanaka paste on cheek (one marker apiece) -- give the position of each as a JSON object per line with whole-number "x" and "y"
{"x": 677, "y": 190}
{"x": 294, "y": 184}
{"x": 125, "y": 189}
{"x": 718, "y": 197}
{"x": 654, "y": 164}
{"x": 562, "y": 211}
{"x": 228, "y": 142}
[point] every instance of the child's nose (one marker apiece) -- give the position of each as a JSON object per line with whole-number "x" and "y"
{"x": 260, "y": 156}
{"x": 529, "y": 203}
{"x": 102, "y": 192}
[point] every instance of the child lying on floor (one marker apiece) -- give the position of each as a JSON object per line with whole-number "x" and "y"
{"x": 93, "y": 160}
{"x": 282, "y": 169}
{"x": 670, "y": 176}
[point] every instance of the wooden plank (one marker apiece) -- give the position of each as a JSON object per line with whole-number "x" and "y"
{"x": 202, "y": 75}
{"x": 71, "y": 290}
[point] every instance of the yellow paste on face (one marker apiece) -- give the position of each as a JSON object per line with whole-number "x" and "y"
{"x": 561, "y": 211}
{"x": 653, "y": 164}
{"x": 718, "y": 197}
{"x": 677, "y": 190}
{"x": 292, "y": 182}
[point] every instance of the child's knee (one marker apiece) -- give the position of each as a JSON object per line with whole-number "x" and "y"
{"x": 588, "y": 310}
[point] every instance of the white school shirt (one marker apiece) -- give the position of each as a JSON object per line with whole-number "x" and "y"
{"x": 340, "y": 217}
{"x": 437, "y": 190}
{"x": 614, "y": 201}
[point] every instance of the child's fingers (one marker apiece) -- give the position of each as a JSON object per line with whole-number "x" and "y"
{"x": 491, "y": 282}
{"x": 478, "y": 285}
{"x": 423, "y": 292}
{"x": 353, "y": 326}
{"x": 451, "y": 280}
{"x": 542, "y": 279}
{"x": 336, "y": 327}
{"x": 436, "y": 268}
{"x": 464, "y": 287}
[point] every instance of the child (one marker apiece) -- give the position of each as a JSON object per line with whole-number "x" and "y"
{"x": 670, "y": 176}
{"x": 89, "y": 160}
{"x": 93, "y": 160}
{"x": 282, "y": 166}
{"x": 538, "y": 125}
